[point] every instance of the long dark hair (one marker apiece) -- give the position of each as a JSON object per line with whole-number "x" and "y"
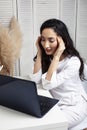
{"x": 61, "y": 30}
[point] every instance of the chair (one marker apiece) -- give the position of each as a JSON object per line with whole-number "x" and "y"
{"x": 83, "y": 124}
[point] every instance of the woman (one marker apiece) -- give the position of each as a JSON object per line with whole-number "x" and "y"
{"x": 59, "y": 67}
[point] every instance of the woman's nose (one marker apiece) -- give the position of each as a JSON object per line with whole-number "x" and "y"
{"x": 46, "y": 44}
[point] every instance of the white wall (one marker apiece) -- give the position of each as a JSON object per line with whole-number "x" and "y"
{"x": 31, "y": 13}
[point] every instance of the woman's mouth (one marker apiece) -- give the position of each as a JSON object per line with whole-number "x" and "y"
{"x": 48, "y": 50}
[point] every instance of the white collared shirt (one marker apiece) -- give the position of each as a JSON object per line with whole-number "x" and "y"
{"x": 65, "y": 83}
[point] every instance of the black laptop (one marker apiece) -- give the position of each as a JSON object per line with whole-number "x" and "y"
{"x": 21, "y": 95}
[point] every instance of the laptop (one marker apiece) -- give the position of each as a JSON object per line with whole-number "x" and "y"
{"x": 21, "y": 95}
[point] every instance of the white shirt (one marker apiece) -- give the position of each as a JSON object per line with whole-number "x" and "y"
{"x": 65, "y": 83}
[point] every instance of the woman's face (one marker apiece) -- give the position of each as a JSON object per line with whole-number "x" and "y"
{"x": 49, "y": 41}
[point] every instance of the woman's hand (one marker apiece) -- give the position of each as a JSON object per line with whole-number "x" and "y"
{"x": 38, "y": 45}
{"x": 37, "y": 64}
{"x": 57, "y": 55}
{"x": 61, "y": 47}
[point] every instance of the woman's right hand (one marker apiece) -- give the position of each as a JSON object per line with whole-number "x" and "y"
{"x": 38, "y": 45}
{"x": 37, "y": 64}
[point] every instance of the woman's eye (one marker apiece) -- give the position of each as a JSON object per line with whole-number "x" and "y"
{"x": 51, "y": 40}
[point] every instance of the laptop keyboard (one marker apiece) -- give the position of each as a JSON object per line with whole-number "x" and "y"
{"x": 46, "y": 104}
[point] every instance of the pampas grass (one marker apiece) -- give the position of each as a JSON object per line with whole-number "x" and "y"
{"x": 16, "y": 36}
{"x": 10, "y": 46}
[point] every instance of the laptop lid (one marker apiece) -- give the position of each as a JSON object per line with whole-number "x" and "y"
{"x": 6, "y": 79}
{"x": 21, "y": 95}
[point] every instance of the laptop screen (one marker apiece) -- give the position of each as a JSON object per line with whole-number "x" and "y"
{"x": 21, "y": 95}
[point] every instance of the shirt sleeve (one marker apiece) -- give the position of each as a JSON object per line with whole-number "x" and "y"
{"x": 36, "y": 77}
{"x": 70, "y": 70}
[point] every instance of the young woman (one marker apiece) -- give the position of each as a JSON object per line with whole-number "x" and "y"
{"x": 59, "y": 67}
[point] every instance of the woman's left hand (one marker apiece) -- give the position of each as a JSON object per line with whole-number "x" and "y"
{"x": 61, "y": 46}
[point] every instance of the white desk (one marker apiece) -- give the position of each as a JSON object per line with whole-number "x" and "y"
{"x": 14, "y": 120}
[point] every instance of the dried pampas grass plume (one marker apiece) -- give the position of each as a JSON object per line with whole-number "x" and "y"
{"x": 6, "y": 51}
{"x": 10, "y": 46}
{"x": 16, "y": 36}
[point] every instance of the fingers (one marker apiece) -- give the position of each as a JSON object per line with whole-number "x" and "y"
{"x": 38, "y": 44}
{"x": 59, "y": 39}
{"x": 61, "y": 43}
{"x": 38, "y": 41}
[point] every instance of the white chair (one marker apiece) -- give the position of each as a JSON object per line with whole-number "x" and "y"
{"x": 83, "y": 124}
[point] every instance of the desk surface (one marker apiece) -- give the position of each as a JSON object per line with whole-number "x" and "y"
{"x": 14, "y": 120}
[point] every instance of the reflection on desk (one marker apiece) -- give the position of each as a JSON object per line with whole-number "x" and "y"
{"x": 14, "y": 120}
